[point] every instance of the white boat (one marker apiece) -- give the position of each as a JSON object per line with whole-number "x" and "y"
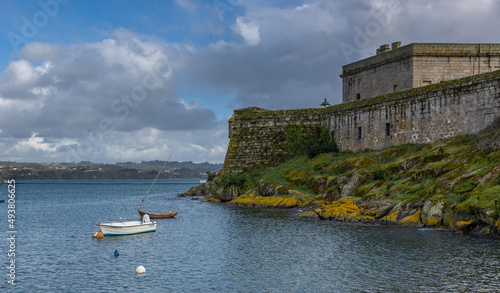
{"x": 126, "y": 228}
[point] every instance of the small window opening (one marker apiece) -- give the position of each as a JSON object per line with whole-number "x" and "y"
{"x": 426, "y": 82}
{"x": 388, "y": 129}
{"x": 358, "y": 96}
{"x": 395, "y": 88}
{"x": 360, "y": 132}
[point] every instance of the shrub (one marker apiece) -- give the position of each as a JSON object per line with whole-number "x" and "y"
{"x": 379, "y": 175}
{"x": 234, "y": 179}
{"x": 211, "y": 176}
{"x": 311, "y": 141}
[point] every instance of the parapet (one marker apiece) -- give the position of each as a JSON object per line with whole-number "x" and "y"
{"x": 386, "y": 55}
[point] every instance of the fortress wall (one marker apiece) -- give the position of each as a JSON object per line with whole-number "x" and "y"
{"x": 434, "y": 113}
{"x": 419, "y": 115}
{"x": 378, "y": 80}
{"x": 435, "y": 69}
{"x": 258, "y": 138}
{"x": 416, "y": 65}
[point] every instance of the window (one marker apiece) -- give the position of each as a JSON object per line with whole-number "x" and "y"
{"x": 388, "y": 129}
{"x": 395, "y": 88}
{"x": 358, "y": 96}
{"x": 360, "y": 131}
{"x": 426, "y": 82}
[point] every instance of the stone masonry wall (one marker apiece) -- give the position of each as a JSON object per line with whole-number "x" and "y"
{"x": 416, "y": 65}
{"x": 379, "y": 80}
{"x": 435, "y": 69}
{"x": 419, "y": 115}
{"x": 257, "y": 138}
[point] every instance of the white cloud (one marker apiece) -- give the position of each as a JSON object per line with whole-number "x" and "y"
{"x": 186, "y": 4}
{"x": 285, "y": 55}
{"x": 92, "y": 96}
{"x": 20, "y": 74}
{"x": 248, "y": 30}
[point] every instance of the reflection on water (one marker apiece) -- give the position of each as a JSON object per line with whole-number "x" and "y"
{"x": 217, "y": 248}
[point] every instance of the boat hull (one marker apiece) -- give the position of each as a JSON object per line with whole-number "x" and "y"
{"x": 126, "y": 228}
{"x": 164, "y": 215}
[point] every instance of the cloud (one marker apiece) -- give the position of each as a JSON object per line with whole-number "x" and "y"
{"x": 119, "y": 86}
{"x": 249, "y": 31}
{"x": 120, "y": 97}
{"x": 290, "y": 55}
{"x": 186, "y": 4}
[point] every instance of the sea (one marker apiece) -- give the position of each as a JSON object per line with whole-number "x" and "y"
{"x": 211, "y": 247}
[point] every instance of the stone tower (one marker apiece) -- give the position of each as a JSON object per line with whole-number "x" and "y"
{"x": 399, "y": 68}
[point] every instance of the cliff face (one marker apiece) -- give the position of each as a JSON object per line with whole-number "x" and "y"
{"x": 452, "y": 183}
{"x": 420, "y": 115}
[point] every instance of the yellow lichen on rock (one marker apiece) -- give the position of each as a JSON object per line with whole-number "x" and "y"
{"x": 308, "y": 214}
{"x": 289, "y": 202}
{"x": 432, "y": 222}
{"x": 211, "y": 199}
{"x": 246, "y": 200}
{"x": 250, "y": 200}
{"x": 485, "y": 231}
{"x": 411, "y": 220}
{"x": 391, "y": 217}
{"x": 344, "y": 209}
{"x": 463, "y": 224}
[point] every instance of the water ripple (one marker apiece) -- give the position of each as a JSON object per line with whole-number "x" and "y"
{"x": 216, "y": 248}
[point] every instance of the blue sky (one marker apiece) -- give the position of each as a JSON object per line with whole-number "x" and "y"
{"x": 112, "y": 81}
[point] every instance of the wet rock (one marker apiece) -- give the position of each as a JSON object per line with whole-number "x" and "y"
{"x": 380, "y": 208}
{"x": 271, "y": 189}
{"x": 410, "y": 218}
{"x": 199, "y": 190}
{"x": 461, "y": 221}
{"x": 344, "y": 209}
{"x": 432, "y": 213}
{"x": 211, "y": 199}
{"x": 251, "y": 200}
{"x": 392, "y": 215}
{"x": 308, "y": 214}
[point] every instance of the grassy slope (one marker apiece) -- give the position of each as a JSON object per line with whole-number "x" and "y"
{"x": 390, "y": 185}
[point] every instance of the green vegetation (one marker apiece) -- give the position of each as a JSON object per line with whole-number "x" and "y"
{"x": 310, "y": 141}
{"x": 451, "y": 171}
{"x": 90, "y": 170}
{"x": 211, "y": 176}
{"x": 453, "y": 183}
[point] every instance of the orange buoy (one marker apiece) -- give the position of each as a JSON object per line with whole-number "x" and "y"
{"x": 97, "y": 235}
{"x": 120, "y": 219}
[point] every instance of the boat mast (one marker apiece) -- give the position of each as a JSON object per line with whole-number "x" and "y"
{"x": 154, "y": 182}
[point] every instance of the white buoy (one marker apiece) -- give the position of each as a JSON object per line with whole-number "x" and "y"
{"x": 140, "y": 270}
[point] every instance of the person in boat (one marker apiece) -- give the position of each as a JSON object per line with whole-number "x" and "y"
{"x": 145, "y": 219}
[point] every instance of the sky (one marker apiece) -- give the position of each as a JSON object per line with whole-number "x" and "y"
{"x": 118, "y": 80}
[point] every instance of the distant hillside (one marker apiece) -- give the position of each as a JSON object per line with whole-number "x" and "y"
{"x": 89, "y": 170}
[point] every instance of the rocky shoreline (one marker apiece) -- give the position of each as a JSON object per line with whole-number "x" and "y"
{"x": 350, "y": 209}
{"x": 452, "y": 184}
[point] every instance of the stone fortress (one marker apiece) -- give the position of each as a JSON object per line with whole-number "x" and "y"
{"x": 417, "y": 93}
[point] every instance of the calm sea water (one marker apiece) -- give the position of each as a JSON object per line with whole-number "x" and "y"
{"x": 216, "y": 248}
